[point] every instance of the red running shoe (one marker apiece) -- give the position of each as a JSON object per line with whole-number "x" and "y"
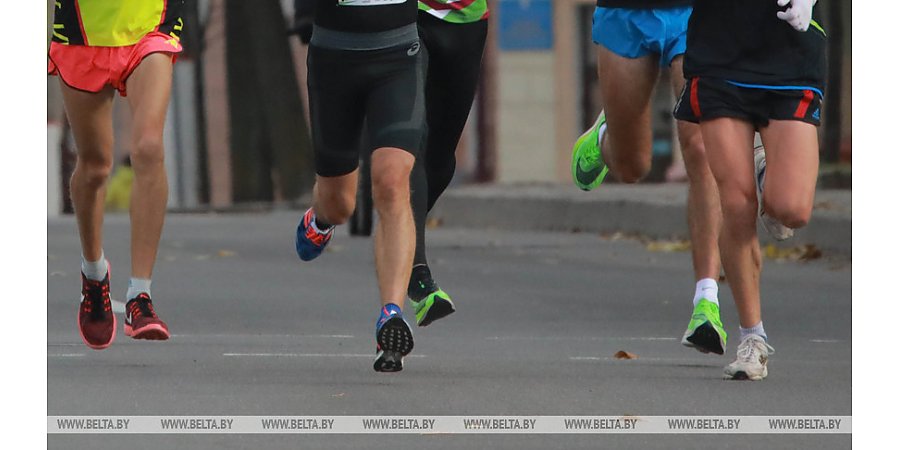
{"x": 96, "y": 321}
{"x": 141, "y": 322}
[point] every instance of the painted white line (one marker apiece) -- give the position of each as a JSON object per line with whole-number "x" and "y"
{"x": 266, "y": 336}
{"x": 825, "y": 341}
{"x": 313, "y": 355}
{"x": 580, "y": 338}
{"x": 66, "y": 355}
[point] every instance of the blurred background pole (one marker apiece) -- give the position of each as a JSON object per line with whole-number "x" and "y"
{"x": 192, "y": 39}
{"x": 831, "y": 143}
{"x": 486, "y": 103}
{"x": 270, "y": 144}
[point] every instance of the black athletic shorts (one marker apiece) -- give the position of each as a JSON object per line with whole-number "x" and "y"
{"x": 376, "y": 78}
{"x": 705, "y": 98}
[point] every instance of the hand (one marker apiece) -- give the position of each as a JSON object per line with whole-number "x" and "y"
{"x": 798, "y": 14}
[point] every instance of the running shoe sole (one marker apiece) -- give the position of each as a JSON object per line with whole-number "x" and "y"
{"x": 744, "y": 376}
{"x": 112, "y": 337}
{"x": 151, "y": 332}
{"x": 440, "y": 307}
{"x": 395, "y": 340}
{"x": 705, "y": 339}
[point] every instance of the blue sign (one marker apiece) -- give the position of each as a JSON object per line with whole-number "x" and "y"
{"x": 525, "y": 24}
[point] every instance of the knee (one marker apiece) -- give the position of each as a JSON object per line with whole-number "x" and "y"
{"x": 793, "y": 213}
{"x": 738, "y": 207}
{"x": 147, "y": 152}
{"x": 390, "y": 187}
{"x": 94, "y": 171}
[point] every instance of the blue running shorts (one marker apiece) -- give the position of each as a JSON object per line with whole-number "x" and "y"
{"x": 633, "y": 33}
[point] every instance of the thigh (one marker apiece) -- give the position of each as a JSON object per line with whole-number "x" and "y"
{"x": 453, "y": 69}
{"x": 395, "y": 108}
{"x": 149, "y": 87}
{"x": 792, "y": 159}
{"x": 626, "y": 85}
{"x": 729, "y": 144}
{"x": 336, "y": 110}
{"x": 90, "y": 116}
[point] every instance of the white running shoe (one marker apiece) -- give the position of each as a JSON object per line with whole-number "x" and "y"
{"x": 775, "y": 228}
{"x": 752, "y": 356}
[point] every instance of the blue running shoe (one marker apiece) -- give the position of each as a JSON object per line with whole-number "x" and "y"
{"x": 310, "y": 241}
{"x": 394, "y": 339}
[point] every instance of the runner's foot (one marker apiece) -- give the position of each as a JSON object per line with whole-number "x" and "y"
{"x": 752, "y": 358}
{"x": 705, "y": 332}
{"x": 96, "y": 321}
{"x": 393, "y": 338}
{"x": 588, "y": 169}
{"x": 310, "y": 240}
{"x": 430, "y": 302}
{"x": 141, "y": 321}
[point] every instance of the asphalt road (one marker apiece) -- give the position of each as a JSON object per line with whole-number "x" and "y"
{"x": 540, "y": 315}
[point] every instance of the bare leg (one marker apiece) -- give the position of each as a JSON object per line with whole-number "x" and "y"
{"x": 91, "y": 118}
{"x": 704, "y": 211}
{"x": 792, "y": 167}
{"x": 149, "y": 87}
{"x": 395, "y": 233}
{"x": 626, "y": 86}
{"x": 731, "y": 162}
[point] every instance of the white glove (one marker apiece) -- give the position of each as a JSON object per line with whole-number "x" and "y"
{"x": 798, "y": 14}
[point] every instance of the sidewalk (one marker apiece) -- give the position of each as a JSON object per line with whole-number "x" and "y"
{"x": 653, "y": 210}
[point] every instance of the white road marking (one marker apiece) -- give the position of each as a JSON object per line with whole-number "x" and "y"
{"x": 825, "y": 341}
{"x": 580, "y": 338}
{"x": 313, "y": 336}
{"x": 313, "y": 355}
{"x": 65, "y": 355}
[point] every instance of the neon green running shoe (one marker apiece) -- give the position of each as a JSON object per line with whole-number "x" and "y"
{"x": 588, "y": 168}
{"x": 705, "y": 332}
{"x": 433, "y": 307}
{"x": 430, "y": 302}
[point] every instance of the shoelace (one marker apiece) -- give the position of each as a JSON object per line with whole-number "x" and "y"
{"x": 749, "y": 351}
{"x": 97, "y": 295}
{"x": 317, "y": 238}
{"x": 141, "y": 306}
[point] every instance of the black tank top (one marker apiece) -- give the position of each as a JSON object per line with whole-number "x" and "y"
{"x": 743, "y": 40}
{"x": 365, "y": 16}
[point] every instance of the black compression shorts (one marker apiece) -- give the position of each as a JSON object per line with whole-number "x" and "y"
{"x": 350, "y": 84}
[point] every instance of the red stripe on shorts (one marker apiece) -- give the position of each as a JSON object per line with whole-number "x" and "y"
{"x": 695, "y": 100}
{"x": 804, "y": 104}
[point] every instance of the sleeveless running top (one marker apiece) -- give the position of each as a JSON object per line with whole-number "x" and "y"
{"x": 115, "y": 23}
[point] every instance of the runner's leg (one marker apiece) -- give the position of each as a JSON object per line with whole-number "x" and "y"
{"x": 731, "y": 163}
{"x": 792, "y": 167}
{"x": 395, "y": 238}
{"x": 149, "y": 87}
{"x": 90, "y": 116}
{"x": 704, "y": 211}
{"x": 626, "y": 86}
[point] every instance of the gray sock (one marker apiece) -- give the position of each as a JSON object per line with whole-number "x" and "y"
{"x": 136, "y": 286}
{"x": 95, "y": 270}
{"x": 755, "y": 329}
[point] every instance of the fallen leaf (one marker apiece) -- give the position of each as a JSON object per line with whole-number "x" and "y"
{"x": 669, "y": 246}
{"x": 433, "y": 222}
{"x": 225, "y": 253}
{"x": 622, "y": 354}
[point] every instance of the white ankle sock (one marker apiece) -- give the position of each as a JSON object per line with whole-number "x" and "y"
{"x": 136, "y": 286}
{"x": 95, "y": 270}
{"x": 706, "y": 289}
{"x": 755, "y": 329}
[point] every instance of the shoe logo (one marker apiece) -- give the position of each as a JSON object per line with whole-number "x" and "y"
{"x": 815, "y": 114}
{"x": 587, "y": 177}
{"x": 128, "y": 317}
{"x": 413, "y": 49}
